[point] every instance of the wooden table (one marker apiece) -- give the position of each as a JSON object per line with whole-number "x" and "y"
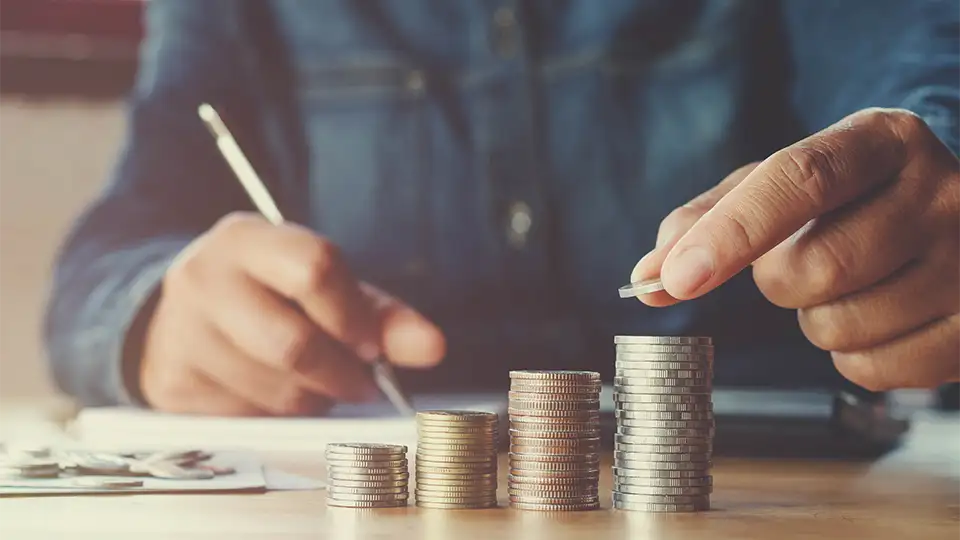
{"x": 913, "y": 493}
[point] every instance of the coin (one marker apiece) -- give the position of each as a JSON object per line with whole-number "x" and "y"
{"x": 106, "y": 483}
{"x": 640, "y": 287}
{"x": 554, "y": 440}
{"x": 665, "y": 423}
{"x": 367, "y": 475}
{"x": 456, "y": 463}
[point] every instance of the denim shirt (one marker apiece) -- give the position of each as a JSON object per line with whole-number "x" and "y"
{"x": 501, "y": 165}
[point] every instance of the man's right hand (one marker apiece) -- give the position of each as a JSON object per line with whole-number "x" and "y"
{"x": 258, "y": 319}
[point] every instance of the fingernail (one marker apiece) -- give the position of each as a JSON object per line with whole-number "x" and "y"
{"x": 368, "y": 351}
{"x": 689, "y": 271}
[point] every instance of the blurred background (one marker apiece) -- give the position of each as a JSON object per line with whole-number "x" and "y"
{"x": 65, "y": 68}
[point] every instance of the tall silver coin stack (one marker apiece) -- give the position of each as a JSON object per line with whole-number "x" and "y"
{"x": 365, "y": 475}
{"x": 457, "y": 459}
{"x": 554, "y": 440}
{"x": 665, "y": 424}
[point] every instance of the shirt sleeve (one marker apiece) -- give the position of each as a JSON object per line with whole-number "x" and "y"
{"x": 169, "y": 185}
{"x": 848, "y": 55}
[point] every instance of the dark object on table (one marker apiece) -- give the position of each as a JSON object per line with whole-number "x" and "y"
{"x": 948, "y": 397}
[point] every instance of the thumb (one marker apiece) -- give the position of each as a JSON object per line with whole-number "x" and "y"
{"x": 408, "y": 339}
{"x": 674, "y": 226}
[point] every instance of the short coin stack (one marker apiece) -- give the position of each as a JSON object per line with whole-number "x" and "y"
{"x": 665, "y": 424}
{"x": 364, "y": 475}
{"x": 457, "y": 459}
{"x": 554, "y": 440}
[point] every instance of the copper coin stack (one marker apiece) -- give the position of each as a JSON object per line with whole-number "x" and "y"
{"x": 456, "y": 459}
{"x": 554, "y": 440}
{"x": 365, "y": 475}
{"x": 665, "y": 423}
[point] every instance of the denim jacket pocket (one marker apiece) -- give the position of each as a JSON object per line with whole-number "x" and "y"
{"x": 365, "y": 124}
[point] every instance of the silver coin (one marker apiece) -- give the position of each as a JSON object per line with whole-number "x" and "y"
{"x": 661, "y": 499}
{"x": 653, "y": 440}
{"x": 662, "y": 361}
{"x": 700, "y": 466}
{"x": 479, "y": 499}
{"x": 368, "y": 478}
{"x": 659, "y": 340}
{"x": 367, "y": 496}
{"x": 337, "y": 490}
{"x": 552, "y": 397}
{"x": 665, "y": 373}
{"x": 701, "y": 481}
{"x": 366, "y": 504}
{"x": 629, "y": 489}
{"x": 560, "y": 387}
{"x": 640, "y": 287}
{"x": 634, "y": 406}
{"x": 564, "y": 375}
{"x": 367, "y": 471}
{"x": 382, "y": 484}
{"x": 704, "y": 433}
{"x": 523, "y": 440}
{"x": 519, "y": 466}
{"x": 106, "y": 483}
{"x": 705, "y": 448}
{"x": 628, "y": 382}
{"x": 450, "y": 415}
{"x": 594, "y": 505}
{"x": 651, "y": 426}
{"x": 706, "y": 389}
{"x": 662, "y": 398}
{"x": 652, "y": 507}
{"x": 620, "y": 456}
{"x": 552, "y": 406}
{"x": 663, "y": 348}
{"x": 456, "y": 506}
{"x": 620, "y": 473}
{"x": 427, "y": 475}
{"x": 590, "y": 479}
{"x": 366, "y": 448}
{"x": 664, "y": 415}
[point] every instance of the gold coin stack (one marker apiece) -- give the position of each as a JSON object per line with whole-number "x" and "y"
{"x": 365, "y": 475}
{"x": 456, "y": 464}
{"x": 554, "y": 440}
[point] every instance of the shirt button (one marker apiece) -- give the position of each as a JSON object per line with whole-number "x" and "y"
{"x": 520, "y": 222}
{"x": 505, "y": 35}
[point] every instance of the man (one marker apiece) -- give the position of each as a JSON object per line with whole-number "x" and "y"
{"x": 498, "y": 168}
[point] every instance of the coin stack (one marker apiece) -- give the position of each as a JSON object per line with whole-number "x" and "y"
{"x": 665, "y": 424}
{"x": 554, "y": 440}
{"x": 364, "y": 475}
{"x": 457, "y": 459}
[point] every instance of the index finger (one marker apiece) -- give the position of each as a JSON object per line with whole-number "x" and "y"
{"x": 793, "y": 186}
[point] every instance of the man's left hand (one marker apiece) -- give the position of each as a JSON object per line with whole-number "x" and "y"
{"x": 857, "y": 227}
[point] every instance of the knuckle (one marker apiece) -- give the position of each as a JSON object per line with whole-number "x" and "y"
{"x": 823, "y": 329}
{"x": 320, "y": 265}
{"x": 906, "y": 124}
{"x": 862, "y": 370}
{"x": 677, "y": 221}
{"x": 824, "y": 271}
{"x": 773, "y": 282}
{"x": 808, "y": 170}
{"x": 291, "y": 343}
